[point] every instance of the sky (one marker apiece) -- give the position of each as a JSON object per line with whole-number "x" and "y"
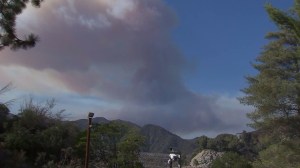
{"x": 177, "y": 64}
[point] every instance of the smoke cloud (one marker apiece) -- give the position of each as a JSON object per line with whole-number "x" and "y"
{"x": 120, "y": 52}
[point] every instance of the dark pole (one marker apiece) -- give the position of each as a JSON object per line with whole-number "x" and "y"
{"x": 87, "y": 150}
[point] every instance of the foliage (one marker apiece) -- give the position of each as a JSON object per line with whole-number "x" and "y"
{"x": 104, "y": 143}
{"x": 39, "y": 133}
{"x": 9, "y": 9}
{"x": 4, "y": 111}
{"x": 12, "y": 158}
{"x": 113, "y": 144}
{"x": 246, "y": 145}
{"x": 275, "y": 90}
{"x": 285, "y": 154}
{"x": 285, "y": 20}
{"x": 202, "y": 142}
{"x": 231, "y": 160}
{"x": 223, "y": 142}
{"x": 128, "y": 155}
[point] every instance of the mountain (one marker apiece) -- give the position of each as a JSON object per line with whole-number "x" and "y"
{"x": 157, "y": 139}
{"x": 127, "y": 124}
{"x": 83, "y": 123}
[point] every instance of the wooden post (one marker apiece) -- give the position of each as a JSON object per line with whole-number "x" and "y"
{"x": 87, "y": 149}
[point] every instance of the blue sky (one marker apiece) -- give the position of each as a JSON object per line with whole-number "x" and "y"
{"x": 178, "y": 64}
{"x": 223, "y": 38}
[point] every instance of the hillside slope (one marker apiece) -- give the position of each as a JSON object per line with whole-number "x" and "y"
{"x": 157, "y": 139}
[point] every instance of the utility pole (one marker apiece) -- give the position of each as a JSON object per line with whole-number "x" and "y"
{"x": 87, "y": 150}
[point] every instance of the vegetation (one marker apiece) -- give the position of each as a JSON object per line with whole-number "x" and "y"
{"x": 285, "y": 154}
{"x": 35, "y": 136}
{"x": 9, "y": 9}
{"x": 275, "y": 94}
{"x": 38, "y": 137}
{"x": 231, "y": 160}
{"x": 247, "y": 144}
{"x": 113, "y": 144}
{"x": 223, "y": 142}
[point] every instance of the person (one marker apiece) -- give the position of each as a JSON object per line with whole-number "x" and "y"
{"x": 174, "y": 157}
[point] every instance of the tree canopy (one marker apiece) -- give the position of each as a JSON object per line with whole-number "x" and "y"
{"x": 114, "y": 144}
{"x": 9, "y": 9}
{"x": 275, "y": 90}
{"x": 39, "y": 133}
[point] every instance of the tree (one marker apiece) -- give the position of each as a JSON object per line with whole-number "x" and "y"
{"x": 202, "y": 142}
{"x": 285, "y": 154}
{"x": 113, "y": 144}
{"x": 4, "y": 111}
{"x": 226, "y": 142}
{"x": 231, "y": 160}
{"x": 9, "y": 9}
{"x": 275, "y": 90}
{"x": 40, "y": 133}
{"x": 128, "y": 155}
{"x": 3, "y": 114}
{"x": 222, "y": 142}
{"x": 286, "y": 20}
{"x": 104, "y": 141}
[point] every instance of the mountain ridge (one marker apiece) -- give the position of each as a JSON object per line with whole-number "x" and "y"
{"x": 157, "y": 138}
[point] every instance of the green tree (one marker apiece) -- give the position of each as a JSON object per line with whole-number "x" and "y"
{"x": 284, "y": 154}
{"x": 104, "y": 141}
{"x": 129, "y": 149}
{"x": 9, "y": 9}
{"x": 40, "y": 133}
{"x": 226, "y": 142}
{"x": 231, "y": 160}
{"x": 223, "y": 142}
{"x": 275, "y": 90}
{"x": 113, "y": 144}
{"x": 202, "y": 142}
{"x": 289, "y": 21}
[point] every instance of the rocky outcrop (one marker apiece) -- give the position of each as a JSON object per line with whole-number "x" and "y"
{"x": 160, "y": 160}
{"x": 205, "y": 158}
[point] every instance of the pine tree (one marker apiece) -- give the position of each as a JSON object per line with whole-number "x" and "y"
{"x": 9, "y": 9}
{"x": 275, "y": 90}
{"x": 289, "y": 20}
